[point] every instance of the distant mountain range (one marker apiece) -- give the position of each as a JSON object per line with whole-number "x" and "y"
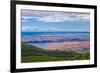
{"x": 42, "y": 39}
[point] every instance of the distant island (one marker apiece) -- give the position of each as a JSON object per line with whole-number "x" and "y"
{"x": 40, "y": 37}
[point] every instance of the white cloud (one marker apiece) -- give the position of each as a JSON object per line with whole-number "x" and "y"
{"x": 34, "y": 28}
{"x": 29, "y": 28}
{"x": 28, "y": 17}
{"x": 64, "y": 17}
{"x": 47, "y": 16}
{"x": 51, "y": 29}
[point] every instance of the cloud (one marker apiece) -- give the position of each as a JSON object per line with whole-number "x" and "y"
{"x": 24, "y": 20}
{"x": 34, "y": 28}
{"x": 51, "y": 29}
{"x": 29, "y": 28}
{"x": 28, "y": 17}
{"x": 50, "y": 16}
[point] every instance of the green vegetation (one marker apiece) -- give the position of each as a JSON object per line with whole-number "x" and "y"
{"x": 31, "y": 53}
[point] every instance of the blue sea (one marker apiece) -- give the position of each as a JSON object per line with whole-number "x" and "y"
{"x": 53, "y": 33}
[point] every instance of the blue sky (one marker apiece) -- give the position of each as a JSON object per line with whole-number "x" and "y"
{"x": 40, "y": 21}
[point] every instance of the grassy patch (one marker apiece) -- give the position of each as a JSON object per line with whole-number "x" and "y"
{"x": 43, "y": 58}
{"x": 34, "y": 54}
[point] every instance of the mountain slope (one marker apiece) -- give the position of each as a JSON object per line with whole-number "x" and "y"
{"x": 30, "y": 53}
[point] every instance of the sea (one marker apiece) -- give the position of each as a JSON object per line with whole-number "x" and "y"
{"x": 53, "y": 33}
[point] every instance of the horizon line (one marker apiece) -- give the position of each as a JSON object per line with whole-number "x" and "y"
{"x": 55, "y": 31}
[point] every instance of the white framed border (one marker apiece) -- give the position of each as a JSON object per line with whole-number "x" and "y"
{"x": 20, "y": 65}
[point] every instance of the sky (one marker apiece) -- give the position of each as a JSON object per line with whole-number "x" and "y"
{"x": 50, "y": 21}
